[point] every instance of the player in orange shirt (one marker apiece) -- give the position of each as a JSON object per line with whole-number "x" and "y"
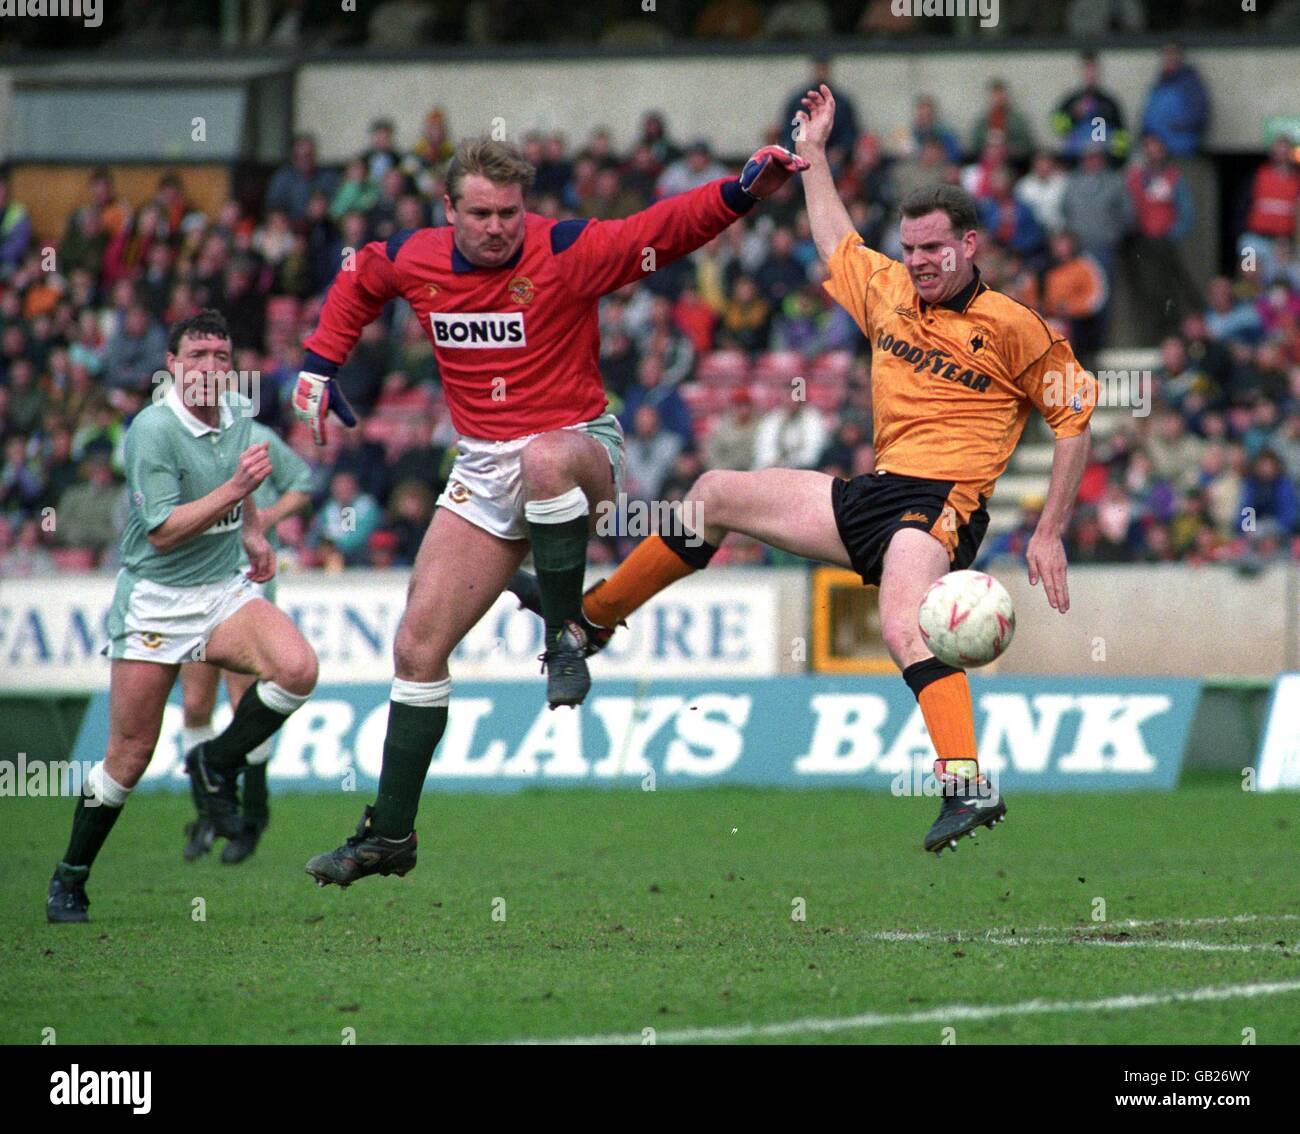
{"x": 956, "y": 368}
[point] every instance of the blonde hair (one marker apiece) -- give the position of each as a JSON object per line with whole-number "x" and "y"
{"x": 500, "y": 162}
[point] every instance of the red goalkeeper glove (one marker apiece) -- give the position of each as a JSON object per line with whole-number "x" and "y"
{"x": 314, "y": 397}
{"x": 768, "y": 170}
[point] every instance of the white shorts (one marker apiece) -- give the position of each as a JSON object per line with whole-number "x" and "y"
{"x": 169, "y": 625}
{"x": 486, "y": 486}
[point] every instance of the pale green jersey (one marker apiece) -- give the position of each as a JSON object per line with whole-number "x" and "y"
{"x": 289, "y": 473}
{"x": 173, "y": 458}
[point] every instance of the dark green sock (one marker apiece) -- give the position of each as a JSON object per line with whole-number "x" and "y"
{"x": 90, "y": 827}
{"x": 560, "y": 553}
{"x": 252, "y": 723}
{"x": 413, "y": 734}
{"x": 254, "y": 794}
{"x": 196, "y": 793}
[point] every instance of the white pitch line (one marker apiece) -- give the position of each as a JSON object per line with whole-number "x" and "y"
{"x": 945, "y": 1015}
{"x": 1093, "y": 927}
{"x": 1060, "y": 938}
{"x": 1193, "y": 946}
{"x": 1098, "y": 943}
{"x": 1237, "y": 919}
{"x": 1073, "y": 937}
{"x": 1150, "y": 923}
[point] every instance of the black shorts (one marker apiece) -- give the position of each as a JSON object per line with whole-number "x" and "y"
{"x": 870, "y": 509}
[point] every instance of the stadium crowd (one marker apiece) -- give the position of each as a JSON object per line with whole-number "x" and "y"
{"x": 699, "y": 357}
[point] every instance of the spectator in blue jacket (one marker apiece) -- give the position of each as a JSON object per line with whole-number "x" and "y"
{"x": 1008, "y": 219}
{"x": 135, "y": 353}
{"x": 15, "y": 230}
{"x": 926, "y": 126}
{"x": 844, "y": 132}
{"x": 1268, "y": 493}
{"x": 650, "y": 390}
{"x": 295, "y": 181}
{"x": 1090, "y": 115}
{"x": 1178, "y": 107}
{"x": 1228, "y": 319}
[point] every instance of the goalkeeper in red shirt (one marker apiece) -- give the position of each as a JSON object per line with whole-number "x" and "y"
{"x": 508, "y": 299}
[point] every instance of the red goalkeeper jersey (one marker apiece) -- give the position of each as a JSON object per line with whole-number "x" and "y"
{"x": 518, "y": 345}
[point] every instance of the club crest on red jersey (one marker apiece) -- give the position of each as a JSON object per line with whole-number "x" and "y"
{"x": 521, "y": 290}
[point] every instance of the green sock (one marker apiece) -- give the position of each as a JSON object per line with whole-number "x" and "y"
{"x": 254, "y": 796}
{"x": 254, "y": 721}
{"x": 90, "y": 827}
{"x": 413, "y": 734}
{"x": 196, "y": 794}
{"x": 560, "y": 553}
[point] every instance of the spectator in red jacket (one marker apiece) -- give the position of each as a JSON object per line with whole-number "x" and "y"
{"x": 1273, "y": 198}
{"x": 695, "y": 319}
{"x": 128, "y": 251}
{"x": 1275, "y": 192}
{"x": 1163, "y": 212}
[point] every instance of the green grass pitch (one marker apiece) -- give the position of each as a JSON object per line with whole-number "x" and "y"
{"x": 672, "y": 910}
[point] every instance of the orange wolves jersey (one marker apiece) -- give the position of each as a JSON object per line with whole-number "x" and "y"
{"x": 952, "y": 383}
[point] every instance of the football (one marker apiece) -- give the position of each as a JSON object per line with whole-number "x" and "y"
{"x": 967, "y": 618}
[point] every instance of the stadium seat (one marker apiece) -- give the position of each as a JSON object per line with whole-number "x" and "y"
{"x": 768, "y": 395}
{"x": 703, "y": 398}
{"x": 831, "y": 364}
{"x": 827, "y": 393}
{"x": 694, "y": 395}
{"x": 780, "y": 366}
{"x": 73, "y": 558}
{"x": 722, "y": 366}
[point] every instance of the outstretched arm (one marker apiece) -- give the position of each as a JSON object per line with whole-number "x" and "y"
{"x": 602, "y": 256}
{"x": 826, "y": 212}
{"x": 364, "y": 284}
{"x": 1046, "y": 551}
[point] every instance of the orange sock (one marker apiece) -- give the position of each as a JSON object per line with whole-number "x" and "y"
{"x": 950, "y": 719}
{"x": 651, "y": 567}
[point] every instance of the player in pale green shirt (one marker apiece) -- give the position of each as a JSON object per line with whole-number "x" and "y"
{"x": 182, "y": 596}
{"x": 286, "y": 491}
